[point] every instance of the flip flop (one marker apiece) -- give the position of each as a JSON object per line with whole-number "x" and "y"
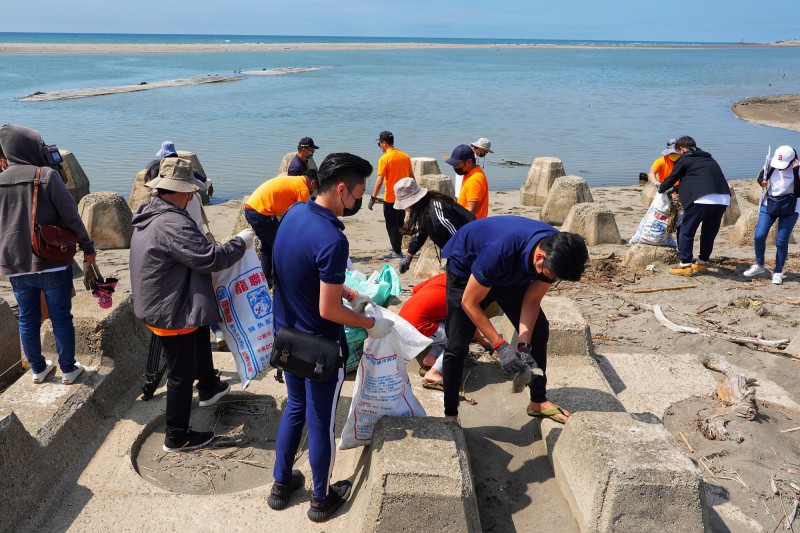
{"x": 423, "y": 370}
{"x": 548, "y": 413}
{"x": 435, "y": 385}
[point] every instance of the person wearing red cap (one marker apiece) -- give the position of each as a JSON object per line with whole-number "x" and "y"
{"x": 474, "y": 193}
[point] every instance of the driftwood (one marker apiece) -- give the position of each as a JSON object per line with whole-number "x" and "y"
{"x": 738, "y": 340}
{"x": 737, "y": 395}
{"x": 659, "y": 289}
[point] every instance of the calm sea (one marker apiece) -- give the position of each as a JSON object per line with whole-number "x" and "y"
{"x": 605, "y": 113}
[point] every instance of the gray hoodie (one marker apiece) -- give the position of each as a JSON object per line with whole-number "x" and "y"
{"x": 171, "y": 263}
{"x": 23, "y": 148}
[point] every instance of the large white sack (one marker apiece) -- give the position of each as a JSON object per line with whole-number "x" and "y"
{"x": 382, "y": 386}
{"x": 245, "y": 306}
{"x": 653, "y": 227}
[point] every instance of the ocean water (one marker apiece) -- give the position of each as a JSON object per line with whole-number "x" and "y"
{"x": 605, "y": 113}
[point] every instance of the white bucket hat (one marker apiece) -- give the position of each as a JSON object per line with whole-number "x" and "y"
{"x": 176, "y": 175}
{"x": 670, "y": 147}
{"x": 167, "y": 148}
{"x": 484, "y": 144}
{"x": 407, "y": 192}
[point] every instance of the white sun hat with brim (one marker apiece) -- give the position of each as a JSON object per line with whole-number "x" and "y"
{"x": 484, "y": 144}
{"x": 167, "y": 148}
{"x": 407, "y": 192}
{"x": 176, "y": 175}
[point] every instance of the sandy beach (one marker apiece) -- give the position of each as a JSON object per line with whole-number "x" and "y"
{"x": 131, "y": 48}
{"x": 781, "y": 111}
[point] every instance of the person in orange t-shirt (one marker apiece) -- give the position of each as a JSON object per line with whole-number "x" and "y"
{"x": 268, "y": 203}
{"x": 474, "y": 193}
{"x": 393, "y": 166}
{"x": 662, "y": 167}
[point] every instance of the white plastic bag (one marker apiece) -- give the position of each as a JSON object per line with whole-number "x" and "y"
{"x": 653, "y": 227}
{"x": 382, "y": 385}
{"x": 245, "y": 306}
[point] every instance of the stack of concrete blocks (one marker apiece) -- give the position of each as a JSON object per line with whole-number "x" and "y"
{"x": 542, "y": 174}
{"x": 73, "y": 175}
{"x": 640, "y": 255}
{"x": 287, "y": 158}
{"x": 745, "y": 228}
{"x": 419, "y": 478}
{"x": 107, "y": 219}
{"x": 140, "y": 193}
{"x": 44, "y": 428}
{"x": 10, "y": 352}
{"x": 423, "y": 166}
{"x": 565, "y": 192}
{"x": 427, "y": 173}
{"x": 594, "y": 222}
{"x": 621, "y": 474}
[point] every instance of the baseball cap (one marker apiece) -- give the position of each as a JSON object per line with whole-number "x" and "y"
{"x": 386, "y": 136}
{"x": 670, "y": 147}
{"x": 784, "y": 155}
{"x": 307, "y": 142}
{"x": 462, "y": 152}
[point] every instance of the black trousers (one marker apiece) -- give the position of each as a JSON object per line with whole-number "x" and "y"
{"x": 394, "y": 222}
{"x": 266, "y": 228}
{"x": 460, "y": 330}
{"x": 188, "y": 358}
{"x": 710, "y": 216}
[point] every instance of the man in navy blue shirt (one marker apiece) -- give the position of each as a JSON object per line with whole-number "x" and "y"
{"x": 513, "y": 261}
{"x": 310, "y": 259}
{"x": 302, "y": 160}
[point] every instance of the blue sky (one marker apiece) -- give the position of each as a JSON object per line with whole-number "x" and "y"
{"x": 702, "y": 20}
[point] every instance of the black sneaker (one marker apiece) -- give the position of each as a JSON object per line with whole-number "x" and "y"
{"x": 194, "y": 441}
{"x": 323, "y": 509}
{"x": 211, "y": 397}
{"x": 281, "y": 492}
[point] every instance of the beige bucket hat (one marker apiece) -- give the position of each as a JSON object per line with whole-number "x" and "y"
{"x": 175, "y": 174}
{"x": 484, "y": 144}
{"x": 407, "y": 192}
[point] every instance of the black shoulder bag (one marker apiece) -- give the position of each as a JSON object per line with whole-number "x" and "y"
{"x": 305, "y": 355}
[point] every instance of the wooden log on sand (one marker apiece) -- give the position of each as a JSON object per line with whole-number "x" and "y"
{"x": 144, "y": 86}
{"x": 737, "y": 395}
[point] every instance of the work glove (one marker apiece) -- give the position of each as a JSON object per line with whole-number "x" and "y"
{"x": 360, "y": 302}
{"x": 90, "y": 274}
{"x": 405, "y": 263}
{"x": 525, "y": 350}
{"x": 510, "y": 359}
{"x": 247, "y": 236}
{"x": 371, "y": 203}
{"x": 381, "y": 328}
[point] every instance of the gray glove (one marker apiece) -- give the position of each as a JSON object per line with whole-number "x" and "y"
{"x": 405, "y": 263}
{"x": 247, "y": 236}
{"x": 527, "y": 358}
{"x": 510, "y": 359}
{"x": 381, "y": 328}
{"x": 360, "y": 302}
{"x": 371, "y": 203}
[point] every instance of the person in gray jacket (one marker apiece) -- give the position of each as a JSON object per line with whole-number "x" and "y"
{"x": 30, "y": 275}
{"x": 171, "y": 262}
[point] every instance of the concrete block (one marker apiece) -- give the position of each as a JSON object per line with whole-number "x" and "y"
{"x": 196, "y": 167}
{"x": 649, "y": 192}
{"x": 570, "y": 334}
{"x": 107, "y": 219}
{"x": 640, "y": 255}
{"x": 426, "y": 263}
{"x": 594, "y": 222}
{"x": 745, "y": 228}
{"x": 419, "y": 478}
{"x": 10, "y": 351}
{"x": 620, "y": 474}
{"x": 732, "y": 213}
{"x": 754, "y": 192}
{"x": 542, "y": 174}
{"x": 140, "y": 194}
{"x": 422, "y": 166}
{"x": 73, "y": 175}
{"x": 438, "y": 182}
{"x": 794, "y": 346}
{"x": 565, "y": 192}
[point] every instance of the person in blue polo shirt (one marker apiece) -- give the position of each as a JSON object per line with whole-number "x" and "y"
{"x": 513, "y": 261}
{"x": 310, "y": 260}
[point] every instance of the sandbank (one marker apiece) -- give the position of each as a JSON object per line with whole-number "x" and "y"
{"x": 142, "y": 48}
{"x": 781, "y": 111}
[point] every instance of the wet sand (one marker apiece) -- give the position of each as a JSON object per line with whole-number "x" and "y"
{"x": 781, "y": 111}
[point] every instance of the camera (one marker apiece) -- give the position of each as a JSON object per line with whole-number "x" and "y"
{"x": 51, "y": 155}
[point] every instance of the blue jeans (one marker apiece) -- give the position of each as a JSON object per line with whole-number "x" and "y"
{"x": 314, "y": 404}
{"x": 57, "y": 290}
{"x": 785, "y": 227}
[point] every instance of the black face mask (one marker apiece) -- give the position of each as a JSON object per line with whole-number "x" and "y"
{"x": 460, "y": 171}
{"x": 348, "y": 212}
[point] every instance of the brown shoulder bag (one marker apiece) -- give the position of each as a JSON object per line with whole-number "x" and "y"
{"x": 49, "y": 241}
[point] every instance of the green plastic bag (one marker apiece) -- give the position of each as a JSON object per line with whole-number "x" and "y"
{"x": 379, "y": 286}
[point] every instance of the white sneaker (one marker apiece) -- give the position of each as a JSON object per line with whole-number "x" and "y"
{"x": 777, "y": 278}
{"x": 754, "y": 270}
{"x": 41, "y": 376}
{"x": 68, "y": 378}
